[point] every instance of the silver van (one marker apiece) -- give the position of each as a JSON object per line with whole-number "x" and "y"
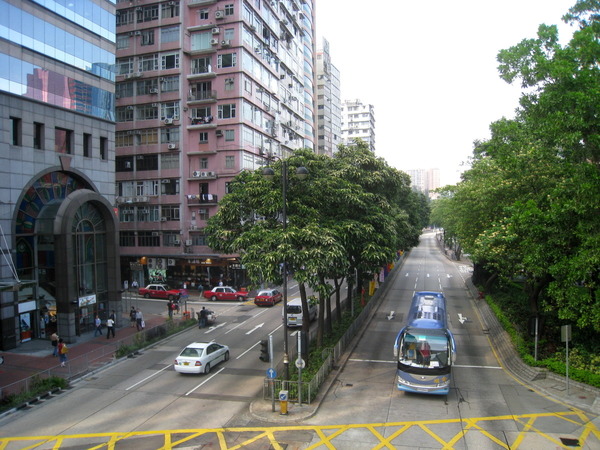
{"x": 294, "y": 312}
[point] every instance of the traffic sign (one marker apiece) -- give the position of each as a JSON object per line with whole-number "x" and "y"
{"x": 271, "y": 373}
{"x": 300, "y": 364}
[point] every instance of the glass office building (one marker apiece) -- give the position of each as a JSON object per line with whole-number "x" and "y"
{"x": 57, "y": 173}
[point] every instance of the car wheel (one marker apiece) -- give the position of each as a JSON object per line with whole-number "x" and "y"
{"x": 146, "y": 295}
{"x": 226, "y": 357}
{"x": 207, "y": 368}
{"x": 213, "y": 298}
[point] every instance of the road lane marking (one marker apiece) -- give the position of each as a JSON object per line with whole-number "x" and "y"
{"x": 206, "y": 381}
{"x": 148, "y": 377}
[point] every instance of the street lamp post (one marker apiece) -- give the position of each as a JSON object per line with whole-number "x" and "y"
{"x": 268, "y": 173}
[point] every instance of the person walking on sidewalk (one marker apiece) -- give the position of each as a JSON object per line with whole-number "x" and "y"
{"x": 202, "y": 315}
{"x": 98, "y": 323}
{"x": 132, "y": 317}
{"x": 54, "y": 342}
{"x": 62, "y": 352}
{"x": 170, "y": 308}
{"x": 139, "y": 320}
{"x": 110, "y": 327}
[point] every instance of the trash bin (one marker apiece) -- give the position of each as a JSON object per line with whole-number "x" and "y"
{"x": 186, "y": 315}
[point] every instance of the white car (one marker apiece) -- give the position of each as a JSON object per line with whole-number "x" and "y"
{"x": 199, "y": 357}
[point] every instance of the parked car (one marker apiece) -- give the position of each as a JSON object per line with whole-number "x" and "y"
{"x": 225, "y": 293}
{"x": 160, "y": 291}
{"x": 268, "y": 297}
{"x": 199, "y": 357}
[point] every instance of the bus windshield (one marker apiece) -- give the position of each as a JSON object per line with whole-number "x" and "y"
{"x": 422, "y": 348}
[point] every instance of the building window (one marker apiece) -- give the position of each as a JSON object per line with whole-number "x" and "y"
{"x": 169, "y": 135}
{"x": 124, "y": 89}
{"x": 146, "y": 162}
{"x": 124, "y": 114}
{"x": 146, "y": 136}
{"x": 103, "y": 148}
{"x": 147, "y": 112}
{"x": 63, "y": 140}
{"x": 170, "y": 9}
{"x": 170, "y": 212}
{"x": 147, "y": 239}
{"x": 148, "y": 62}
{"x": 169, "y": 186}
{"x": 126, "y": 214}
{"x": 87, "y": 145}
{"x": 226, "y": 60}
{"x": 124, "y": 164}
{"x": 204, "y": 163}
{"x": 203, "y": 14}
{"x": 169, "y": 160}
{"x": 226, "y": 111}
{"x": 125, "y": 17}
{"x": 15, "y": 131}
{"x": 124, "y": 66}
{"x": 122, "y": 41}
{"x": 147, "y": 37}
{"x": 169, "y": 34}
{"x": 229, "y": 34}
{"x": 171, "y": 240}
{"x": 203, "y": 137}
{"x": 123, "y": 139}
{"x": 127, "y": 238}
{"x": 230, "y": 162}
{"x": 169, "y": 110}
{"x": 170, "y": 83}
{"x": 199, "y": 239}
{"x": 201, "y": 65}
{"x": 229, "y": 11}
{"x": 147, "y": 13}
{"x": 203, "y": 214}
{"x": 230, "y": 135}
{"x": 201, "y": 41}
{"x": 229, "y": 84}
{"x": 170, "y": 61}
{"x": 38, "y": 135}
{"x": 145, "y": 87}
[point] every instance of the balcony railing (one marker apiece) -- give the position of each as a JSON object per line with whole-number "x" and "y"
{"x": 198, "y": 199}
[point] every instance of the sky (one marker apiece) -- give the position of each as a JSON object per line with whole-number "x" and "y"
{"x": 430, "y": 70}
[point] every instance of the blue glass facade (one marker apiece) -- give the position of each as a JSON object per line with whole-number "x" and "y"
{"x": 30, "y": 80}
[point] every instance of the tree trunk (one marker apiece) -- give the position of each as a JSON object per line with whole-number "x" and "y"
{"x": 305, "y": 321}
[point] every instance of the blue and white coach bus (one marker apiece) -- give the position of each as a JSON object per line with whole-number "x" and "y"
{"x": 425, "y": 349}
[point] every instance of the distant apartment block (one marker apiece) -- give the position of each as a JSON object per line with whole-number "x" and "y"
{"x": 329, "y": 109}
{"x": 425, "y": 180}
{"x": 358, "y": 122}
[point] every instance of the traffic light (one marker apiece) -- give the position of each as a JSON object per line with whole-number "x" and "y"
{"x": 264, "y": 350}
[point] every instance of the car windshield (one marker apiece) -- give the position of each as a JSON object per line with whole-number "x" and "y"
{"x": 192, "y": 352}
{"x": 294, "y": 309}
{"x": 265, "y": 293}
{"x": 425, "y": 348}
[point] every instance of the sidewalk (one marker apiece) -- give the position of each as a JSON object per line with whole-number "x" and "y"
{"x": 86, "y": 355}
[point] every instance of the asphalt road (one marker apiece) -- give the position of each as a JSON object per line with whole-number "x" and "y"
{"x": 143, "y": 402}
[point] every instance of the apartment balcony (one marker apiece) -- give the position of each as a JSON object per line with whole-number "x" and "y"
{"x": 202, "y": 97}
{"x": 201, "y": 199}
{"x": 133, "y": 200}
{"x": 196, "y": 3}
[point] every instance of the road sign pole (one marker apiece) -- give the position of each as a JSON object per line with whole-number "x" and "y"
{"x": 271, "y": 381}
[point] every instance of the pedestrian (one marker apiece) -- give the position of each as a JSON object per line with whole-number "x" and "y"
{"x": 170, "y": 309}
{"x": 62, "y": 352}
{"x": 98, "y": 323}
{"x": 132, "y": 317}
{"x": 54, "y": 342}
{"x": 202, "y": 318}
{"x": 139, "y": 320}
{"x": 134, "y": 285}
{"x": 110, "y": 327}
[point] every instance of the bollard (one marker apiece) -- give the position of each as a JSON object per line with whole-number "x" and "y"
{"x": 283, "y": 401}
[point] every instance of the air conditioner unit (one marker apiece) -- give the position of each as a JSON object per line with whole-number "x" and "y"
{"x": 171, "y": 261}
{"x": 210, "y": 174}
{"x": 196, "y": 174}
{"x": 219, "y": 133}
{"x": 226, "y": 43}
{"x": 144, "y": 211}
{"x": 203, "y": 174}
{"x": 165, "y": 181}
{"x": 168, "y": 121}
{"x": 172, "y": 146}
{"x": 252, "y": 27}
{"x": 219, "y": 14}
{"x": 136, "y": 74}
{"x": 130, "y": 107}
{"x": 176, "y": 242}
{"x": 214, "y": 42}
{"x": 216, "y": 30}
{"x": 188, "y": 242}
{"x": 154, "y": 90}
{"x": 163, "y": 219}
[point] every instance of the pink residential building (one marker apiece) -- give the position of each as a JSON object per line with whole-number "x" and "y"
{"x": 205, "y": 89}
